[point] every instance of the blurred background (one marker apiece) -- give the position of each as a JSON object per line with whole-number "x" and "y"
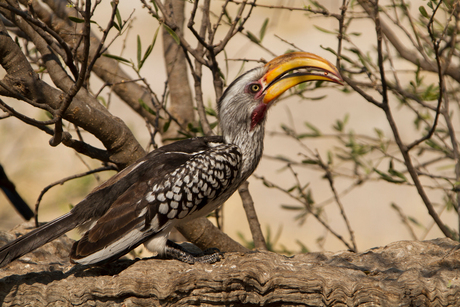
{"x": 32, "y": 164}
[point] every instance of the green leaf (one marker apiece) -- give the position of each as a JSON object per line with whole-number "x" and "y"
{"x": 173, "y": 34}
{"x": 210, "y": 111}
{"x": 324, "y": 30}
{"x": 149, "y": 48}
{"x": 379, "y": 132}
{"x": 192, "y": 128}
{"x": 423, "y": 12}
{"x": 313, "y": 128}
{"x": 339, "y": 125}
{"x": 343, "y": 57}
{"x": 291, "y": 207}
{"x": 119, "y": 20}
{"x": 146, "y": 107}
{"x": 418, "y": 77}
{"x": 303, "y": 248}
{"x": 307, "y": 135}
{"x": 330, "y": 157}
{"x": 329, "y": 49}
{"x": 252, "y": 37}
{"x": 448, "y": 203}
{"x": 395, "y": 173}
{"x": 318, "y": 5}
{"x": 387, "y": 177}
{"x": 317, "y": 84}
{"x": 102, "y": 100}
{"x": 76, "y": 20}
{"x": 213, "y": 125}
{"x": 116, "y": 26}
{"x": 116, "y": 57}
{"x": 310, "y": 161}
{"x": 139, "y": 51}
{"x": 79, "y": 20}
{"x": 434, "y": 145}
{"x": 456, "y": 188}
{"x": 288, "y": 130}
{"x": 415, "y": 222}
{"x": 345, "y": 118}
{"x": 155, "y": 6}
{"x": 166, "y": 126}
{"x": 283, "y": 159}
{"x": 263, "y": 29}
{"x": 430, "y": 93}
{"x": 309, "y": 198}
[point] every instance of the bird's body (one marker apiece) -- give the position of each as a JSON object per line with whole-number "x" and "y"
{"x": 180, "y": 181}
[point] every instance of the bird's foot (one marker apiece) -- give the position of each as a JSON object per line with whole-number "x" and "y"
{"x": 175, "y": 251}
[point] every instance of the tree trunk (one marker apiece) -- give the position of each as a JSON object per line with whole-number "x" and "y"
{"x": 406, "y": 273}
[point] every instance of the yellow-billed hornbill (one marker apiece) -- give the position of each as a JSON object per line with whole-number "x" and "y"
{"x": 180, "y": 181}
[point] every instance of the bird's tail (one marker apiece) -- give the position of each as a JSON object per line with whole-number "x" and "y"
{"x": 36, "y": 238}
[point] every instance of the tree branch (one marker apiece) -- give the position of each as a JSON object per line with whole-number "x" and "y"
{"x": 251, "y": 215}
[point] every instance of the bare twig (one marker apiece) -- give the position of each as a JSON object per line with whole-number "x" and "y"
{"x": 105, "y": 33}
{"x": 330, "y": 179}
{"x": 254, "y": 225}
{"x": 40, "y": 26}
{"x": 323, "y": 12}
{"x": 315, "y": 214}
{"x": 404, "y": 220}
{"x": 440, "y": 80}
{"x": 403, "y": 51}
{"x": 64, "y": 180}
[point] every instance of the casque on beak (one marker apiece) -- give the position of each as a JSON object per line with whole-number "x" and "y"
{"x": 291, "y": 69}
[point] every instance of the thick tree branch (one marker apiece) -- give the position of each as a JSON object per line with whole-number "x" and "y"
{"x": 406, "y": 273}
{"x": 180, "y": 95}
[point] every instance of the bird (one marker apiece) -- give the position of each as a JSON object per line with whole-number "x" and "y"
{"x": 180, "y": 181}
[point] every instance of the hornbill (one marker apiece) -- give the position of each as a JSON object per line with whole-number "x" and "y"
{"x": 180, "y": 181}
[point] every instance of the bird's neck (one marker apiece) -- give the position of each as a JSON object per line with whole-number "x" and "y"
{"x": 250, "y": 142}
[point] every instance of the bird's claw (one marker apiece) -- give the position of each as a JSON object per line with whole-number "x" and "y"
{"x": 175, "y": 251}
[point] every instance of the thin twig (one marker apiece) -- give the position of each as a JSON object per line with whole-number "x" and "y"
{"x": 105, "y": 33}
{"x": 440, "y": 80}
{"x": 64, "y": 180}
{"x": 41, "y": 26}
{"x": 290, "y": 8}
{"x": 251, "y": 215}
{"x": 315, "y": 214}
{"x": 404, "y": 220}
{"x": 68, "y": 96}
{"x": 330, "y": 179}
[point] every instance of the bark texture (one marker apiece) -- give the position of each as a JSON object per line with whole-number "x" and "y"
{"x": 406, "y": 273}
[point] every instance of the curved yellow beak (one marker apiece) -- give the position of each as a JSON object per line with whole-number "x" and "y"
{"x": 291, "y": 69}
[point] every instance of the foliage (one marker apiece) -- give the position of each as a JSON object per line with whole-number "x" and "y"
{"x": 416, "y": 74}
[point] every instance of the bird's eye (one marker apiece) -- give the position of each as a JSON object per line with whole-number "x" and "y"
{"x": 254, "y": 88}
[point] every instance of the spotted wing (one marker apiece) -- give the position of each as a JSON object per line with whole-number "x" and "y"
{"x": 178, "y": 186}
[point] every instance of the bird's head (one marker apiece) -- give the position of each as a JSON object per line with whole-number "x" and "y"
{"x": 245, "y": 102}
